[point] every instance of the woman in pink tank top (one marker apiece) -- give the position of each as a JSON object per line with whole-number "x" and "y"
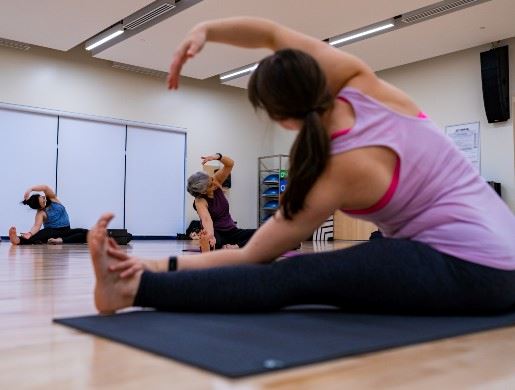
{"x": 363, "y": 147}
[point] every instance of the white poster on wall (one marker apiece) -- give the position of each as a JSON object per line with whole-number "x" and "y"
{"x": 467, "y": 138}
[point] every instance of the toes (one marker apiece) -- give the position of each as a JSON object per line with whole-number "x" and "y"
{"x": 104, "y": 220}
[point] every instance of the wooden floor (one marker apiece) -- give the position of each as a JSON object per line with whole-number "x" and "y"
{"x": 38, "y": 283}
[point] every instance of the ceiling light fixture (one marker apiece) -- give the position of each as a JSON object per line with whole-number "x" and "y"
{"x": 423, "y": 14}
{"x": 238, "y": 73}
{"x": 355, "y": 35}
{"x": 104, "y": 37}
{"x": 150, "y": 15}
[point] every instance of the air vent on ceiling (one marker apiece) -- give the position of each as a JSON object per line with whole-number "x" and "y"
{"x": 431, "y": 12}
{"x": 14, "y": 44}
{"x": 140, "y": 70}
{"x": 148, "y": 16}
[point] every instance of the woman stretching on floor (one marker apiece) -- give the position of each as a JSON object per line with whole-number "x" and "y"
{"x": 364, "y": 147}
{"x": 50, "y": 214}
{"x": 219, "y": 229}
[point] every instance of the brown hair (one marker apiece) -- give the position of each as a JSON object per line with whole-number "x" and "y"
{"x": 290, "y": 84}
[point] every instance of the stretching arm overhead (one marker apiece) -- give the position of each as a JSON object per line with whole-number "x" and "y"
{"x": 338, "y": 66}
{"x": 227, "y": 164}
{"x": 49, "y": 192}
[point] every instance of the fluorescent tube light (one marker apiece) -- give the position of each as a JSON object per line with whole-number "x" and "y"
{"x": 361, "y": 34}
{"x": 248, "y": 69}
{"x": 114, "y": 34}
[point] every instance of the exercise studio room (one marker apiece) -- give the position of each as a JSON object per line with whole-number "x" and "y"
{"x": 227, "y": 194}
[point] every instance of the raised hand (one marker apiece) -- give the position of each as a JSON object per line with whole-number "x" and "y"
{"x": 190, "y": 46}
{"x": 205, "y": 159}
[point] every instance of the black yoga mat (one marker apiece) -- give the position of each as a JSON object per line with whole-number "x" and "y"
{"x": 236, "y": 345}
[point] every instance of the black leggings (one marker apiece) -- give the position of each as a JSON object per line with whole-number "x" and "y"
{"x": 234, "y": 237}
{"x": 69, "y": 236}
{"x": 380, "y": 276}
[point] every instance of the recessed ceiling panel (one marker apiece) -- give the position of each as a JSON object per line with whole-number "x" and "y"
{"x": 61, "y": 24}
{"x": 471, "y": 27}
{"x": 153, "y": 47}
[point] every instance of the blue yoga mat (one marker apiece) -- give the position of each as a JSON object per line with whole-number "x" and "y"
{"x": 237, "y": 345}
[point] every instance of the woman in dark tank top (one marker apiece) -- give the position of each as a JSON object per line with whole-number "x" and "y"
{"x": 218, "y": 227}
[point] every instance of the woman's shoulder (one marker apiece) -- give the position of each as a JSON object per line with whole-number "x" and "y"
{"x": 200, "y": 201}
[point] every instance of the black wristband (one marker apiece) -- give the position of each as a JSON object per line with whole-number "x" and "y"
{"x": 172, "y": 263}
{"x": 220, "y": 154}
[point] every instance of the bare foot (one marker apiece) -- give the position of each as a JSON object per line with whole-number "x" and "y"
{"x": 55, "y": 241}
{"x": 230, "y": 246}
{"x": 204, "y": 242}
{"x": 111, "y": 292}
{"x": 15, "y": 240}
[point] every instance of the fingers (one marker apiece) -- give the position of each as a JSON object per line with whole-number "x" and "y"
{"x": 178, "y": 60}
{"x": 127, "y": 268}
{"x": 131, "y": 271}
{"x": 188, "y": 49}
{"x": 112, "y": 244}
{"x": 104, "y": 220}
{"x": 117, "y": 254}
{"x": 123, "y": 265}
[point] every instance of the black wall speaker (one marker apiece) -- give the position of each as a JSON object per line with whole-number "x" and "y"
{"x": 495, "y": 80}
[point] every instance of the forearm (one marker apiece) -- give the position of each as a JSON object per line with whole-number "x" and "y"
{"x": 207, "y": 225}
{"x": 34, "y": 229}
{"x": 241, "y": 31}
{"x": 219, "y": 258}
{"x": 227, "y": 161}
{"x": 211, "y": 259}
{"x": 39, "y": 188}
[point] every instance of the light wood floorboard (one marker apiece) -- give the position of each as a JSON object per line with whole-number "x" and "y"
{"x": 38, "y": 283}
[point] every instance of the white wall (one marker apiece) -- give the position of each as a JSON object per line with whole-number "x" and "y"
{"x": 217, "y": 118}
{"x": 448, "y": 89}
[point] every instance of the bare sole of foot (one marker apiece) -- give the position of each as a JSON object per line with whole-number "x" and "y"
{"x": 13, "y": 237}
{"x": 111, "y": 292}
{"x": 55, "y": 241}
{"x": 204, "y": 243}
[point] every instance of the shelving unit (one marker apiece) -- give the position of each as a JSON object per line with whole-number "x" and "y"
{"x": 272, "y": 180}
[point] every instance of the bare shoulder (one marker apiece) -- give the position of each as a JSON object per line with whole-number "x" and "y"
{"x": 41, "y": 215}
{"x": 200, "y": 202}
{"x": 386, "y": 93}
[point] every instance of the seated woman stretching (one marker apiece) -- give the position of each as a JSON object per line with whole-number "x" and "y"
{"x": 363, "y": 147}
{"x": 218, "y": 227}
{"x": 50, "y": 214}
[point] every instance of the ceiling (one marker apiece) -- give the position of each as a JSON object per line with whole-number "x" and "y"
{"x": 63, "y": 24}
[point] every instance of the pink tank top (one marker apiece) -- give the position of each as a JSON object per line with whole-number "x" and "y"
{"x": 436, "y": 196}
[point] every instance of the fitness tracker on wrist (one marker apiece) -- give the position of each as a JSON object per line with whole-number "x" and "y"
{"x": 172, "y": 263}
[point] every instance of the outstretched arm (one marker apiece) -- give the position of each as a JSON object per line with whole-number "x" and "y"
{"x": 49, "y": 192}
{"x": 228, "y": 163}
{"x": 205, "y": 218}
{"x": 274, "y": 238}
{"x": 38, "y": 222}
{"x": 338, "y": 66}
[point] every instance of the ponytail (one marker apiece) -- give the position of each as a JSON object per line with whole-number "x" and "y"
{"x": 290, "y": 84}
{"x": 308, "y": 158}
{"x": 33, "y": 202}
